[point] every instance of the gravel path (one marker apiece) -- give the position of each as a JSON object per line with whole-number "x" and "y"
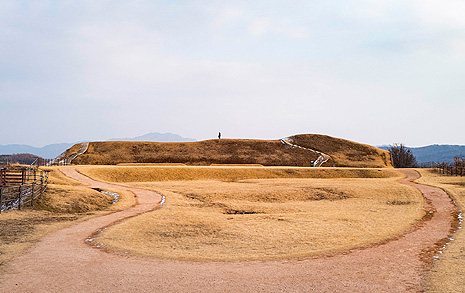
{"x": 62, "y": 261}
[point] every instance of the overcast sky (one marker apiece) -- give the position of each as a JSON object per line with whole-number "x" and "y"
{"x": 376, "y": 72}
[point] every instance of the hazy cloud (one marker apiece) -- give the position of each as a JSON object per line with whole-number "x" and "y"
{"x": 259, "y": 26}
{"x": 361, "y": 70}
{"x": 225, "y": 16}
{"x": 441, "y": 14}
{"x": 293, "y": 33}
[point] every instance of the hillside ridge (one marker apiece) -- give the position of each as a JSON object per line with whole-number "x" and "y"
{"x": 342, "y": 153}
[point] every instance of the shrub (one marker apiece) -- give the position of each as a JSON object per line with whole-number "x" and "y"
{"x": 402, "y": 157}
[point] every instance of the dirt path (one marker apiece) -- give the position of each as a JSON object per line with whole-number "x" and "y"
{"x": 61, "y": 261}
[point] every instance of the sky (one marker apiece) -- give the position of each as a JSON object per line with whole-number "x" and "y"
{"x": 376, "y": 72}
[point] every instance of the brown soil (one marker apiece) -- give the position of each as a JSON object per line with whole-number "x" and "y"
{"x": 62, "y": 261}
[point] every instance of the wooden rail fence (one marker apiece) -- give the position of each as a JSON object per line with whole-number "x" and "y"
{"x": 61, "y": 161}
{"x": 20, "y": 186}
{"x": 451, "y": 170}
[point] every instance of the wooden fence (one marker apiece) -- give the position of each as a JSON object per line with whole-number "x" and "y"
{"x": 61, "y": 160}
{"x": 20, "y": 186}
{"x": 451, "y": 170}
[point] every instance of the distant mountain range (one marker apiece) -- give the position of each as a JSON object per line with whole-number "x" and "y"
{"x": 49, "y": 151}
{"x": 435, "y": 153}
{"x": 155, "y": 136}
{"x": 52, "y": 150}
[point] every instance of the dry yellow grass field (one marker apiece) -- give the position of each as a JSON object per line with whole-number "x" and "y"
{"x": 222, "y": 173}
{"x": 261, "y": 219}
{"x": 344, "y": 153}
{"x": 448, "y": 273}
{"x": 72, "y": 199}
{"x": 65, "y": 202}
{"x": 70, "y": 196}
{"x": 65, "y": 195}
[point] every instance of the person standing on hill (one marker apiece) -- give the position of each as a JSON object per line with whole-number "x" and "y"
{"x": 219, "y": 135}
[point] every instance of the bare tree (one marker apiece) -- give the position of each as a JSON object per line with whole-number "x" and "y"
{"x": 402, "y": 157}
{"x": 459, "y": 161}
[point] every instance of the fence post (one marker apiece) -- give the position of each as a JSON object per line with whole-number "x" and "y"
{"x": 32, "y": 193}
{"x": 1, "y": 203}
{"x": 3, "y": 176}
{"x": 19, "y": 197}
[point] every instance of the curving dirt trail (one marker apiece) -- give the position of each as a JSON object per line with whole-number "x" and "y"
{"x": 61, "y": 261}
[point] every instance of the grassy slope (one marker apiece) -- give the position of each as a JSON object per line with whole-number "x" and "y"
{"x": 230, "y": 174}
{"x": 344, "y": 153}
{"x": 235, "y": 151}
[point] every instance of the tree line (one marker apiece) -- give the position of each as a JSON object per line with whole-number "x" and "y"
{"x": 402, "y": 157}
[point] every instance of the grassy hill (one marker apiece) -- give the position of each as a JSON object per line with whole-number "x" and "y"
{"x": 235, "y": 151}
{"x": 18, "y": 158}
